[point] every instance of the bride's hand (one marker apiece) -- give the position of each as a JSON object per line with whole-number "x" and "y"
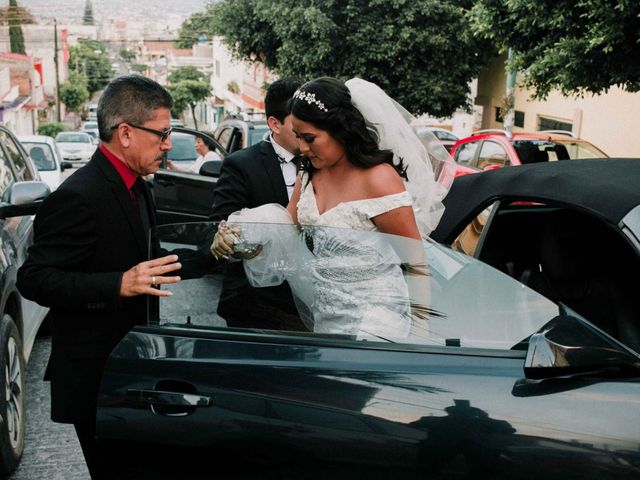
{"x": 224, "y": 240}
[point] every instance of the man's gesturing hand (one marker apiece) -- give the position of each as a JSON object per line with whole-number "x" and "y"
{"x": 144, "y": 277}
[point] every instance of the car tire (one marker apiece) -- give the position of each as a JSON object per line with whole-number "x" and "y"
{"x": 12, "y": 396}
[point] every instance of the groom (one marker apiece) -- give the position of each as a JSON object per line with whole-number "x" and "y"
{"x": 261, "y": 174}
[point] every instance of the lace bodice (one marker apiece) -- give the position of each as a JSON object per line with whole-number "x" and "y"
{"x": 355, "y": 214}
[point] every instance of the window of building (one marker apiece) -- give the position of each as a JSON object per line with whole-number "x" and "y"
{"x": 546, "y": 123}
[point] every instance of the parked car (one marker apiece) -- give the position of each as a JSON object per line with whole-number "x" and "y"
{"x": 46, "y": 157}
{"x": 21, "y": 192}
{"x": 500, "y": 381}
{"x": 182, "y": 196}
{"x": 446, "y": 137}
{"x": 235, "y": 132}
{"x": 487, "y": 149}
{"x": 76, "y": 147}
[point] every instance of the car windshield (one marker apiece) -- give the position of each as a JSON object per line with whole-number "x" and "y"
{"x": 88, "y": 125}
{"x": 183, "y": 148}
{"x": 533, "y": 151}
{"x": 352, "y": 284}
{"x": 72, "y": 138}
{"x": 257, "y": 134}
{"x": 41, "y": 154}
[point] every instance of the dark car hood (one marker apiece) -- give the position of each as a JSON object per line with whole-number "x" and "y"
{"x": 608, "y": 188}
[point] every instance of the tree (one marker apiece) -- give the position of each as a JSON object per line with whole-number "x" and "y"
{"x": 422, "y": 52}
{"x": 87, "y": 18}
{"x": 127, "y": 54}
{"x": 194, "y": 28}
{"x": 90, "y": 59}
{"x": 186, "y": 73}
{"x": 74, "y": 92}
{"x": 573, "y": 47}
{"x": 50, "y": 129}
{"x": 187, "y": 92}
{"x": 16, "y": 38}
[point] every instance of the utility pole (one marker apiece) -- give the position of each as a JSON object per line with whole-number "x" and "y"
{"x": 55, "y": 60}
{"x": 509, "y": 113}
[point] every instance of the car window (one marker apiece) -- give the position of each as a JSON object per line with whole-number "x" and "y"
{"x": 224, "y": 136}
{"x": 7, "y": 177}
{"x": 257, "y": 135}
{"x": 41, "y": 154}
{"x": 16, "y": 155}
{"x": 492, "y": 154}
{"x": 183, "y": 148}
{"x": 580, "y": 149}
{"x": 351, "y": 285}
{"x": 236, "y": 140}
{"x": 72, "y": 138}
{"x": 466, "y": 152}
{"x": 443, "y": 135}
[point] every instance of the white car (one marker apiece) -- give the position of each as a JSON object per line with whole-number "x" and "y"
{"x": 47, "y": 158}
{"x": 76, "y": 147}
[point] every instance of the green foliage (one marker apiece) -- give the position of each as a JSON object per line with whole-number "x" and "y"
{"x": 186, "y": 73}
{"x": 575, "y": 47}
{"x": 74, "y": 92}
{"x": 127, "y": 54}
{"x": 90, "y": 59}
{"x": 50, "y": 129}
{"x": 87, "y": 18}
{"x": 16, "y": 38}
{"x": 186, "y": 94}
{"x": 139, "y": 67}
{"x": 422, "y": 52}
{"x": 193, "y": 28}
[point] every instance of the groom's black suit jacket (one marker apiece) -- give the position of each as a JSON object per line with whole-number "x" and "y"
{"x": 249, "y": 178}
{"x": 86, "y": 234}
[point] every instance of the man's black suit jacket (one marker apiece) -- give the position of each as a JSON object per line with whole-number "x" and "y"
{"x": 249, "y": 178}
{"x": 86, "y": 234}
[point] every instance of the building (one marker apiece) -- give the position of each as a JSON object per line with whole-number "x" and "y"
{"x": 21, "y": 92}
{"x": 608, "y": 120}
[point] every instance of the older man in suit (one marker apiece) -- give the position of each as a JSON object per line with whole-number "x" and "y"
{"x": 261, "y": 174}
{"x": 88, "y": 262}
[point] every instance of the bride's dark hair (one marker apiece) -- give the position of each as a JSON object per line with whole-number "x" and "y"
{"x": 325, "y": 102}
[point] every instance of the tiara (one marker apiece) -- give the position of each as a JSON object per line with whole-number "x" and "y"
{"x": 310, "y": 98}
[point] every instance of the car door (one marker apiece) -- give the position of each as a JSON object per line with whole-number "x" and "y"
{"x": 185, "y": 393}
{"x": 183, "y": 196}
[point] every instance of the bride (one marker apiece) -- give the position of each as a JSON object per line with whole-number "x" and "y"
{"x": 363, "y": 169}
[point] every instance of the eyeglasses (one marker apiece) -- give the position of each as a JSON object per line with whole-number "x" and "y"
{"x": 163, "y": 134}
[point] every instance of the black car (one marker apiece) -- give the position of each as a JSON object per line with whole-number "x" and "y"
{"x": 21, "y": 192}
{"x": 183, "y": 196}
{"x": 495, "y": 380}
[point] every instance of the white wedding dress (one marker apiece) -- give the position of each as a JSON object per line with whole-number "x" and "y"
{"x": 345, "y": 280}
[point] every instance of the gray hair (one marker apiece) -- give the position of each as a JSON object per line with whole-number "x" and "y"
{"x": 131, "y": 99}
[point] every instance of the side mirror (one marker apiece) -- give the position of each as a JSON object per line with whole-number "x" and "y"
{"x": 24, "y": 199}
{"x": 64, "y": 165}
{"x": 211, "y": 168}
{"x": 569, "y": 345}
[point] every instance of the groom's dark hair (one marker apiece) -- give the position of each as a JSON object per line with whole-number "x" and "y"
{"x": 279, "y": 93}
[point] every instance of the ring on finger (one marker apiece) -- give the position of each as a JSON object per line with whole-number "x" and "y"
{"x": 153, "y": 280}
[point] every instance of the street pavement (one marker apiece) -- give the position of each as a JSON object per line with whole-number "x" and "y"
{"x": 51, "y": 450}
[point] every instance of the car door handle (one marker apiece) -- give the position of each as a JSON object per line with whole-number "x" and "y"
{"x": 165, "y": 398}
{"x": 163, "y": 181}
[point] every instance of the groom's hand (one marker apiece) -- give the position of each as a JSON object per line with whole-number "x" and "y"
{"x": 224, "y": 240}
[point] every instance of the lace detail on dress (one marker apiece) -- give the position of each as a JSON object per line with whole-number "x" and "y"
{"x": 355, "y": 214}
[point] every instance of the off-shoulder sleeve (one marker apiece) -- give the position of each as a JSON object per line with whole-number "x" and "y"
{"x": 373, "y": 207}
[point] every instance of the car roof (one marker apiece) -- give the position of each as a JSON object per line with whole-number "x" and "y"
{"x": 515, "y": 136}
{"x": 607, "y": 188}
{"x": 36, "y": 139}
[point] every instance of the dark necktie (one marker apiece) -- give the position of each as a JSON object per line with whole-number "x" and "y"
{"x": 141, "y": 201}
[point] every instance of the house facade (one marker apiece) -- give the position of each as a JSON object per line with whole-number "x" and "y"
{"x": 607, "y": 120}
